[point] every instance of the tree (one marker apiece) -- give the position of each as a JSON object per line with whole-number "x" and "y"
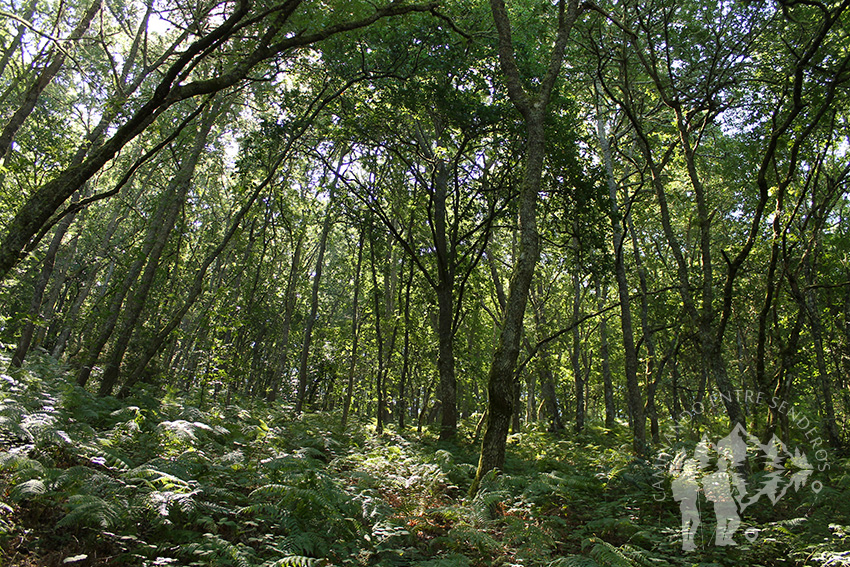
{"x": 274, "y": 40}
{"x": 533, "y": 108}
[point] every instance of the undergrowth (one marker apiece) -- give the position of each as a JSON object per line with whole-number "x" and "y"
{"x": 160, "y": 480}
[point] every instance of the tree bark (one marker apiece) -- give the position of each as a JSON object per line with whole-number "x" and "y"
{"x": 355, "y": 335}
{"x": 501, "y": 376}
{"x": 575, "y": 354}
{"x": 194, "y": 292}
{"x": 314, "y": 297}
{"x": 635, "y": 398}
{"x": 288, "y": 311}
{"x": 173, "y": 203}
{"x": 405, "y": 367}
{"x": 809, "y": 297}
{"x": 607, "y": 379}
{"x": 379, "y": 339}
{"x": 35, "y": 309}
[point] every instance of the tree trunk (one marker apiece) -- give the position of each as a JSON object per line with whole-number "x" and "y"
{"x": 94, "y": 268}
{"x": 405, "y": 367}
{"x": 575, "y": 354}
{"x": 500, "y": 387}
{"x": 607, "y": 379}
{"x": 35, "y": 309}
{"x": 533, "y": 111}
{"x": 445, "y": 305}
{"x": 546, "y": 377}
{"x": 379, "y": 339}
{"x": 355, "y": 326}
{"x": 314, "y": 297}
{"x": 824, "y": 377}
{"x": 195, "y": 291}
{"x": 635, "y": 398}
{"x": 95, "y": 347}
{"x": 173, "y": 203}
{"x": 288, "y": 311}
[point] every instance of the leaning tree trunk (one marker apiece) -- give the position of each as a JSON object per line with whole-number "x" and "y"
{"x": 155, "y": 344}
{"x": 35, "y": 309}
{"x": 95, "y": 347}
{"x": 174, "y": 200}
{"x": 533, "y": 110}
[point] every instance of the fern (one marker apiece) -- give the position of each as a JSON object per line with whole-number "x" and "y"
{"x": 469, "y": 537}
{"x": 214, "y": 551}
{"x": 104, "y": 455}
{"x": 27, "y": 489}
{"x": 574, "y": 561}
{"x": 606, "y": 555}
{"x": 451, "y": 560}
{"x": 297, "y": 561}
{"x": 153, "y": 476}
{"x": 298, "y": 497}
{"x": 15, "y": 462}
{"x": 91, "y": 511}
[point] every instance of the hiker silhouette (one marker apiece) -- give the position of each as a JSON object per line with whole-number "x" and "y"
{"x": 686, "y": 489}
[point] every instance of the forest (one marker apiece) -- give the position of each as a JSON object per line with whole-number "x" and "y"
{"x": 428, "y": 283}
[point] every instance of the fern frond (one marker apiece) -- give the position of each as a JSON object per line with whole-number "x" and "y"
{"x": 574, "y": 561}
{"x": 298, "y": 561}
{"x": 311, "y": 453}
{"x": 291, "y": 494}
{"x": 303, "y": 543}
{"x": 477, "y": 539}
{"x": 220, "y": 551}
{"x": 155, "y": 476}
{"x": 483, "y": 506}
{"x": 638, "y": 556}
{"x": 92, "y": 511}
{"x": 27, "y": 489}
{"x": 106, "y": 456}
{"x": 451, "y": 560}
{"x": 606, "y": 555}
{"x": 16, "y": 462}
{"x": 260, "y": 510}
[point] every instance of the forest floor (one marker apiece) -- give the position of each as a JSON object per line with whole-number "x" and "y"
{"x": 167, "y": 478}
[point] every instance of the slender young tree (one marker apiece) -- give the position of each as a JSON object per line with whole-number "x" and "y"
{"x": 327, "y": 223}
{"x": 533, "y": 108}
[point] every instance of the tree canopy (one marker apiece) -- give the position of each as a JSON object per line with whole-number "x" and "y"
{"x": 585, "y": 222}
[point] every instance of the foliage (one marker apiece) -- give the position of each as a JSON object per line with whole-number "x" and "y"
{"x": 155, "y": 480}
